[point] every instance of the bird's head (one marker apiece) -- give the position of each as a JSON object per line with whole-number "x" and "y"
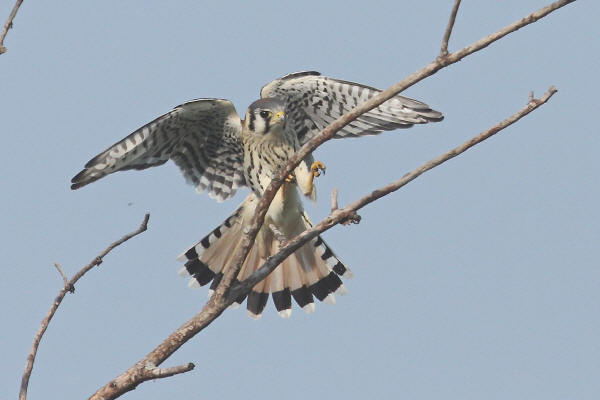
{"x": 265, "y": 116}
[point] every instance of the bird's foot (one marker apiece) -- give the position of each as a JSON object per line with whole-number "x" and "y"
{"x": 290, "y": 178}
{"x": 317, "y": 168}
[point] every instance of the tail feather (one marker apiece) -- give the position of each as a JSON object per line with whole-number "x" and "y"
{"x": 298, "y": 284}
{"x": 312, "y": 271}
{"x": 215, "y": 283}
{"x": 200, "y": 271}
{"x": 257, "y": 298}
{"x": 329, "y": 257}
{"x": 197, "y": 251}
{"x": 328, "y": 282}
{"x": 283, "y": 302}
{"x": 304, "y": 298}
{"x": 282, "y": 298}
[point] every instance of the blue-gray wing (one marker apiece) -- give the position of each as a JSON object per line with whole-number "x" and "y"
{"x": 314, "y": 101}
{"x": 202, "y": 137}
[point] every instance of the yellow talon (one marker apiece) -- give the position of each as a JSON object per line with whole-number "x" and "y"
{"x": 317, "y": 168}
{"x": 290, "y": 178}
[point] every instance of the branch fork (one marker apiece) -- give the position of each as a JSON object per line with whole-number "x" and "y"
{"x": 227, "y": 292}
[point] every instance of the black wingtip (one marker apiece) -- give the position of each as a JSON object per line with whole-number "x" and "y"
{"x": 77, "y": 182}
{"x": 434, "y": 116}
{"x": 80, "y": 180}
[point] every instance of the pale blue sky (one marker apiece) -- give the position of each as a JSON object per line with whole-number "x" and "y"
{"x": 479, "y": 280}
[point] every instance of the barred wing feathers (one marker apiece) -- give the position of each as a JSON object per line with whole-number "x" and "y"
{"x": 202, "y": 137}
{"x": 314, "y": 101}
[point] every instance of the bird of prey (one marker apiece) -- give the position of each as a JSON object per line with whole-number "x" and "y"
{"x": 218, "y": 153}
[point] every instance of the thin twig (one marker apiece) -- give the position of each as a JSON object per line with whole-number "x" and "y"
{"x": 130, "y": 379}
{"x": 352, "y": 219}
{"x": 158, "y": 373}
{"x": 328, "y": 133}
{"x": 338, "y": 216}
{"x": 68, "y": 287}
{"x": 334, "y": 199}
{"x": 448, "y": 32}
{"x": 62, "y": 274}
{"x": 9, "y": 24}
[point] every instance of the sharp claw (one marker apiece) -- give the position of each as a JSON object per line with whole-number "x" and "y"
{"x": 290, "y": 178}
{"x": 317, "y": 168}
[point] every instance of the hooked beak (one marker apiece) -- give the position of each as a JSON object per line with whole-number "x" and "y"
{"x": 279, "y": 116}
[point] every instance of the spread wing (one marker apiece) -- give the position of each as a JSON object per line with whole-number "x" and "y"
{"x": 203, "y": 137}
{"x": 314, "y": 101}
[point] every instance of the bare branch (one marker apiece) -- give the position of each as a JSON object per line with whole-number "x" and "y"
{"x": 352, "y": 219}
{"x": 68, "y": 288}
{"x": 135, "y": 375}
{"x": 62, "y": 274}
{"x": 387, "y": 94}
{"x": 158, "y": 373}
{"x": 339, "y": 215}
{"x": 484, "y": 42}
{"x": 446, "y": 38}
{"x": 327, "y": 133}
{"x": 334, "y": 199}
{"x": 219, "y": 301}
{"x": 9, "y": 24}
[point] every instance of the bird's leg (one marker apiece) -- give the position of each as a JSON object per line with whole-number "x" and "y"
{"x": 315, "y": 170}
{"x": 289, "y": 179}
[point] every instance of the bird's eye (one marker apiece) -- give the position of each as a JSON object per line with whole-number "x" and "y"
{"x": 265, "y": 114}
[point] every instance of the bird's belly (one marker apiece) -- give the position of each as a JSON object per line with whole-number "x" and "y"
{"x": 286, "y": 208}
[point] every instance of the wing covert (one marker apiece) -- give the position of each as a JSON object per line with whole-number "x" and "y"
{"x": 202, "y": 137}
{"x": 314, "y": 101}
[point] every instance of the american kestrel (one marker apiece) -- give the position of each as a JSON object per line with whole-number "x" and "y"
{"x": 217, "y": 152}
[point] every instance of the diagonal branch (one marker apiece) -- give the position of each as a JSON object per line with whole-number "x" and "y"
{"x": 446, "y": 38}
{"x": 130, "y": 378}
{"x": 9, "y": 24}
{"x": 329, "y": 132}
{"x": 339, "y": 215}
{"x": 69, "y": 287}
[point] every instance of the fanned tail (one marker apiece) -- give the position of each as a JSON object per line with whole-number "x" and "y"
{"x": 313, "y": 271}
